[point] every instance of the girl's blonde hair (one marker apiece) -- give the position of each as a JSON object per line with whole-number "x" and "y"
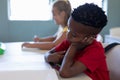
{"x": 63, "y": 5}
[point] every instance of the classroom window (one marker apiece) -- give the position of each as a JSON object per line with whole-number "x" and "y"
{"x": 75, "y": 3}
{"x": 29, "y": 10}
{"x": 38, "y": 9}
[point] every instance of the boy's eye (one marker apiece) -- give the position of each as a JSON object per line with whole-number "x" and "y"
{"x": 74, "y": 35}
{"x": 71, "y": 32}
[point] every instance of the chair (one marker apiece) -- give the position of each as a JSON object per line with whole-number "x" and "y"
{"x": 113, "y": 62}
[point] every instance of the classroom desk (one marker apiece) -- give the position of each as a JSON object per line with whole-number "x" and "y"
{"x": 28, "y": 64}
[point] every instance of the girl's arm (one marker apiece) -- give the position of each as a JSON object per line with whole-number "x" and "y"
{"x": 45, "y": 39}
{"x": 46, "y": 45}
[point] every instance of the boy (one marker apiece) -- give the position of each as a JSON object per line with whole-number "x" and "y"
{"x": 80, "y": 52}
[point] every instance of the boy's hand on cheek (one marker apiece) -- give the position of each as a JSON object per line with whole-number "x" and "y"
{"x": 82, "y": 42}
{"x": 86, "y": 41}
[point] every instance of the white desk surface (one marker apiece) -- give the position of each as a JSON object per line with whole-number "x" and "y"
{"x": 28, "y": 64}
{"x": 17, "y": 58}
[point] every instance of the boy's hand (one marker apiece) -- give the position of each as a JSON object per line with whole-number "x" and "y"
{"x": 56, "y": 57}
{"x": 87, "y": 40}
{"x": 83, "y": 42}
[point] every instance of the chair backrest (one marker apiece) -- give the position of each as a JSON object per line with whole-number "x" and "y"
{"x": 113, "y": 62}
{"x": 115, "y": 31}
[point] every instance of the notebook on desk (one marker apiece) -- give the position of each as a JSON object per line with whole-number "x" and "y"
{"x": 28, "y": 75}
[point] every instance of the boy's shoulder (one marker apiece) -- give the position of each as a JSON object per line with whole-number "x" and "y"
{"x": 96, "y": 44}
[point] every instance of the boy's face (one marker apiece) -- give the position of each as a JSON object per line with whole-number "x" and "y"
{"x": 78, "y": 32}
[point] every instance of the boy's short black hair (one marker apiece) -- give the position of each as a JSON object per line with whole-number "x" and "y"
{"x": 91, "y": 15}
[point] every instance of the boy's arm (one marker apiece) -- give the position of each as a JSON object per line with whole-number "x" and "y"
{"x": 70, "y": 67}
